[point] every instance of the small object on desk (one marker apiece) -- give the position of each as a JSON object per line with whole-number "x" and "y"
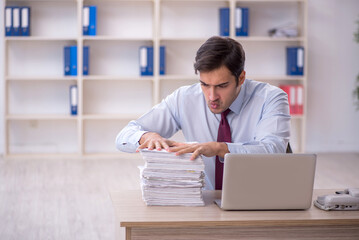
{"x": 346, "y": 200}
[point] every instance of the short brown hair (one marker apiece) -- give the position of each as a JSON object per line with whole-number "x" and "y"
{"x": 219, "y": 51}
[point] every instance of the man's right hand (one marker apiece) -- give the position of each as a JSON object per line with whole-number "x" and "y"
{"x": 153, "y": 140}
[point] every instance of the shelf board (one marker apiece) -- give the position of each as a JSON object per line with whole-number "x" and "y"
{"x": 264, "y": 1}
{"x": 254, "y": 77}
{"x": 40, "y": 38}
{"x": 116, "y": 38}
{"x": 41, "y": 78}
{"x": 40, "y": 117}
{"x": 264, "y": 78}
{"x": 117, "y": 78}
{"x": 240, "y": 39}
{"x": 269, "y": 39}
{"x": 297, "y": 117}
{"x": 179, "y": 77}
{"x": 111, "y": 116}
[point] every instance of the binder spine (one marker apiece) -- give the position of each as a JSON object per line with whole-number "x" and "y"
{"x": 25, "y": 21}
{"x": 295, "y": 61}
{"x": 16, "y": 21}
{"x": 300, "y": 99}
{"x": 73, "y": 60}
{"x": 143, "y": 61}
{"x": 73, "y": 99}
{"x": 86, "y": 53}
{"x": 67, "y": 59}
{"x": 242, "y": 22}
{"x": 92, "y": 20}
{"x": 291, "y": 92}
{"x": 8, "y": 21}
{"x": 224, "y": 22}
{"x": 85, "y": 20}
{"x": 162, "y": 60}
{"x": 150, "y": 61}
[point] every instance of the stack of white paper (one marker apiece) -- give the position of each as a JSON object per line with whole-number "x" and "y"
{"x": 167, "y": 179}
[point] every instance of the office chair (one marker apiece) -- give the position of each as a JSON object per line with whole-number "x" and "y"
{"x": 289, "y": 149}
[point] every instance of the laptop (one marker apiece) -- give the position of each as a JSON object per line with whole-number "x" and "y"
{"x": 267, "y": 181}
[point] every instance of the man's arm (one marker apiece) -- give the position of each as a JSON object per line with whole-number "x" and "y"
{"x": 271, "y": 136}
{"x": 152, "y": 129}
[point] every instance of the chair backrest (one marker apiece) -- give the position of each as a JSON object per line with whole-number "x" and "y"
{"x": 289, "y": 149}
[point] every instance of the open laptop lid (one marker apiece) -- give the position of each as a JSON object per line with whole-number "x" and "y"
{"x": 268, "y": 181}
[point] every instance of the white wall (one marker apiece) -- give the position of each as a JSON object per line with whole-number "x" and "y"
{"x": 333, "y": 122}
{"x": 1, "y": 80}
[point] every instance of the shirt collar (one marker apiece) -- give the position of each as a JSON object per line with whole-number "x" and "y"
{"x": 238, "y": 102}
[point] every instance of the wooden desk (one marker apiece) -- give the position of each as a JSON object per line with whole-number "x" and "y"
{"x": 210, "y": 222}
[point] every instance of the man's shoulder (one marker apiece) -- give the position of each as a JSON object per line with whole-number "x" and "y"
{"x": 260, "y": 88}
{"x": 189, "y": 90}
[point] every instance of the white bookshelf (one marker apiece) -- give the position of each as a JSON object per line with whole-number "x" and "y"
{"x": 36, "y": 92}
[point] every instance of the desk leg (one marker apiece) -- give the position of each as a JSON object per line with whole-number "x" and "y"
{"x": 128, "y": 233}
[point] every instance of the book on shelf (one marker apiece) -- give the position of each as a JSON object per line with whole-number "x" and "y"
{"x": 8, "y": 21}
{"x": 89, "y": 20}
{"x": 73, "y": 100}
{"x": 295, "y": 98}
{"x": 167, "y": 179}
{"x": 17, "y": 21}
{"x": 295, "y": 60}
{"x": 146, "y": 60}
{"x": 224, "y": 22}
{"x": 25, "y": 21}
{"x": 85, "y": 60}
{"x": 162, "y": 60}
{"x": 70, "y": 60}
{"x": 242, "y": 22}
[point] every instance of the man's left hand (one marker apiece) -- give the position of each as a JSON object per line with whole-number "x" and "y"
{"x": 208, "y": 149}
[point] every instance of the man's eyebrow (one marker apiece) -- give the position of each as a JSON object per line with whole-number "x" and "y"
{"x": 219, "y": 85}
{"x": 203, "y": 82}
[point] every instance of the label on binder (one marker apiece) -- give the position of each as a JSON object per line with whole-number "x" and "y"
{"x": 73, "y": 99}
{"x": 300, "y": 57}
{"x": 16, "y": 21}
{"x": 86, "y": 20}
{"x": 25, "y": 21}
{"x": 8, "y": 21}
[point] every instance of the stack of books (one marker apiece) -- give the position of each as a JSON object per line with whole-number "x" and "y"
{"x": 169, "y": 180}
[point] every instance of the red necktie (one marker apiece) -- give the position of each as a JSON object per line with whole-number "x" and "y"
{"x": 224, "y": 135}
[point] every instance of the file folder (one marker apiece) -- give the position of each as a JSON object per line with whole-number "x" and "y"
{"x": 16, "y": 19}
{"x": 70, "y": 60}
{"x": 150, "y": 61}
{"x": 162, "y": 60}
{"x": 295, "y": 60}
{"x": 85, "y": 20}
{"x": 73, "y": 60}
{"x": 299, "y": 94}
{"x": 146, "y": 61}
{"x": 224, "y": 22}
{"x": 292, "y": 99}
{"x": 8, "y": 21}
{"x": 143, "y": 61}
{"x": 89, "y": 20}
{"x": 73, "y": 99}
{"x": 242, "y": 20}
{"x": 85, "y": 60}
{"x": 67, "y": 61}
{"x": 25, "y": 21}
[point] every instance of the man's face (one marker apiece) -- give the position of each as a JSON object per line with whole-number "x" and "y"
{"x": 220, "y": 88}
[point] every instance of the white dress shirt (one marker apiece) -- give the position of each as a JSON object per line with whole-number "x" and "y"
{"x": 259, "y": 121}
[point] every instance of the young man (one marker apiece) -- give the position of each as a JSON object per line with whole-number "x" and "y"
{"x": 222, "y": 113}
